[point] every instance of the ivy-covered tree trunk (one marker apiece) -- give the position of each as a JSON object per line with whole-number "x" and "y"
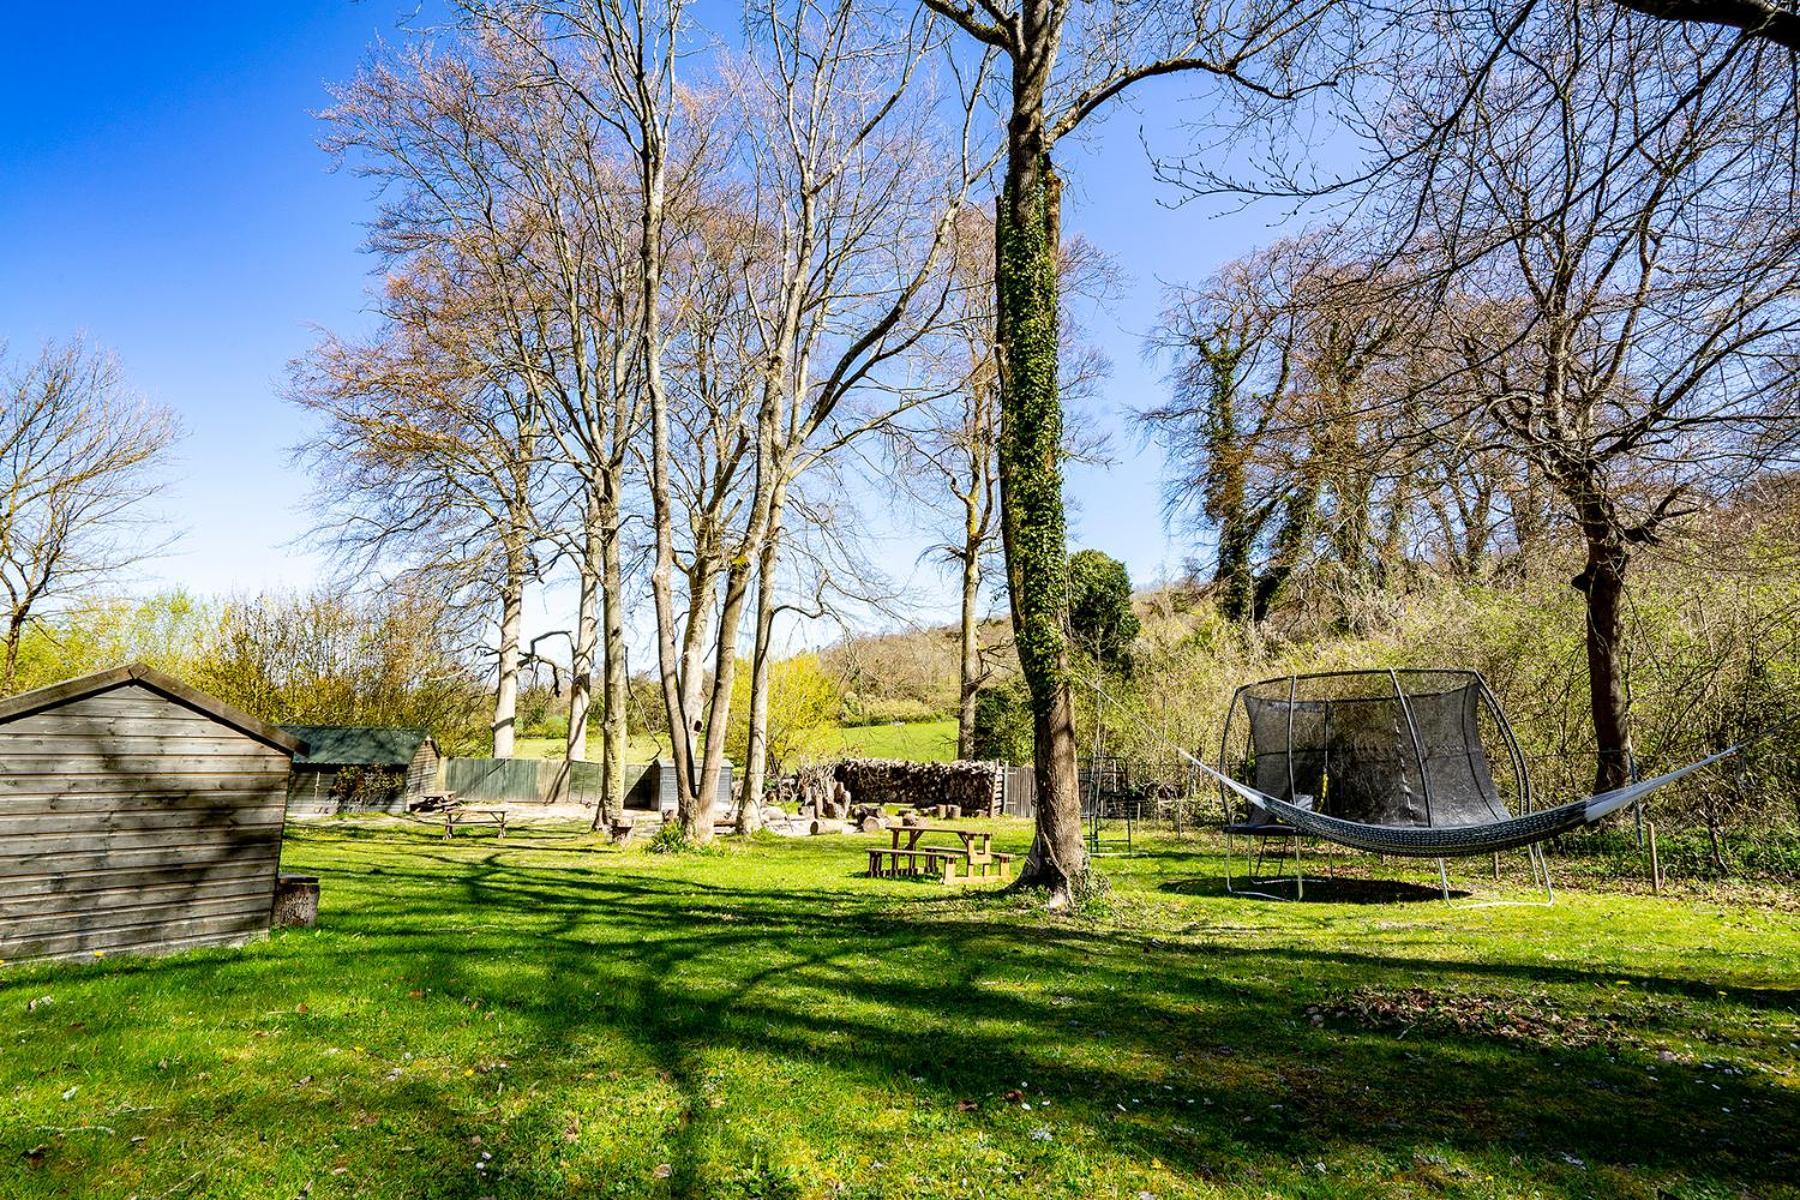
{"x": 1027, "y": 234}
{"x": 1227, "y": 490}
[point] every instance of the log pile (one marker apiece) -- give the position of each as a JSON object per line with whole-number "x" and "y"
{"x": 871, "y": 794}
{"x": 888, "y": 784}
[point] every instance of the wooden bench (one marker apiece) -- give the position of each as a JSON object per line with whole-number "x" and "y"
{"x": 432, "y": 802}
{"x": 941, "y": 862}
{"x": 456, "y": 814}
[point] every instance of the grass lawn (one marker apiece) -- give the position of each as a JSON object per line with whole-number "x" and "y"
{"x": 916, "y": 741}
{"x": 548, "y": 1016}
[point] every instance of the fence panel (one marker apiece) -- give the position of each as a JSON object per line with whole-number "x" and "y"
{"x": 543, "y": 781}
{"x": 496, "y": 780}
{"x": 1019, "y": 793}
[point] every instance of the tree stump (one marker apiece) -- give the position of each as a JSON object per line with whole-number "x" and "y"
{"x": 296, "y": 901}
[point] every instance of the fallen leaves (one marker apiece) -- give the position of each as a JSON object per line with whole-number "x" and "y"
{"x": 1516, "y": 1017}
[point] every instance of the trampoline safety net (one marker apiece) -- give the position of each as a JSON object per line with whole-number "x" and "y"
{"x": 1396, "y": 748}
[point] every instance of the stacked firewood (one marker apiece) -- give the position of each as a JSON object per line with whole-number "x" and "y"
{"x": 889, "y": 784}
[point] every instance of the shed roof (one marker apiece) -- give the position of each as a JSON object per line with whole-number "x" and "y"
{"x": 357, "y": 745}
{"x": 167, "y": 686}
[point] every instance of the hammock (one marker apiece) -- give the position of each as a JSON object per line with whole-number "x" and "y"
{"x": 1398, "y": 758}
{"x": 1457, "y": 841}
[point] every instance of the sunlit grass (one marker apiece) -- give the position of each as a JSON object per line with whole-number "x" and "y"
{"x": 915, "y": 741}
{"x": 549, "y": 1016}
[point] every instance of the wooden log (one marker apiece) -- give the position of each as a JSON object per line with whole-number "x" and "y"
{"x": 296, "y": 901}
{"x": 827, "y": 825}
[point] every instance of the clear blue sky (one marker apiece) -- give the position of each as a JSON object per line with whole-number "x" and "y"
{"x": 161, "y": 190}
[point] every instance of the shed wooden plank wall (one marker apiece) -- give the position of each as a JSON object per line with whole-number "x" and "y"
{"x": 129, "y": 821}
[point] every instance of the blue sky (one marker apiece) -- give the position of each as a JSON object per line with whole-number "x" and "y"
{"x": 162, "y": 191}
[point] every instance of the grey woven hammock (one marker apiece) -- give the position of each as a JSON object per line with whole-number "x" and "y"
{"x": 1393, "y": 762}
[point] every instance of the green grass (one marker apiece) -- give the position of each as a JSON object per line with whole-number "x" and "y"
{"x": 548, "y": 1016}
{"x": 915, "y": 741}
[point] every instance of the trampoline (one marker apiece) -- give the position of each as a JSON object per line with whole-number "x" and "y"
{"x": 1394, "y": 762}
{"x": 1427, "y": 750}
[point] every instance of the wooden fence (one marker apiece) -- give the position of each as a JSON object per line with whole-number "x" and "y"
{"x": 552, "y": 781}
{"x": 1018, "y": 792}
{"x": 532, "y": 780}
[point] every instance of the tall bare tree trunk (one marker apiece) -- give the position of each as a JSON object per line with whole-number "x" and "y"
{"x": 697, "y": 814}
{"x": 697, "y": 809}
{"x": 15, "y": 633}
{"x": 968, "y": 684}
{"x": 613, "y": 730}
{"x": 587, "y": 638}
{"x": 512, "y": 619}
{"x": 703, "y": 582}
{"x": 756, "y": 753}
{"x": 1027, "y": 235}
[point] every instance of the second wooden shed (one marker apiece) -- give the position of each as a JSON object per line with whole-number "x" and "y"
{"x": 360, "y": 768}
{"x": 138, "y": 814}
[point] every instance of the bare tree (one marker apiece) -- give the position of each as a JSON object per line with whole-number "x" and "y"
{"x": 431, "y": 458}
{"x": 78, "y": 460}
{"x": 1614, "y": 220}
{"x": 632, "y": 49}
{"x": 856, "y": 196}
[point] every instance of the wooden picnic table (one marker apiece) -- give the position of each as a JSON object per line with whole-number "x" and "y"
{"x": 457, "y": 812}
{"x": 907, "y": 857}
{"x": 432, "y": 802}
{"x": 970, "y": 837}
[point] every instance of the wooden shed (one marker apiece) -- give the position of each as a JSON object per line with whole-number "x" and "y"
{"x": 359, "y": 768}
{"x": 136, "y": 814}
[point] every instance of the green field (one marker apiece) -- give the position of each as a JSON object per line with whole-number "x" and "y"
{"x": 549, "y": 1016}
{"x": 918, "y": 741}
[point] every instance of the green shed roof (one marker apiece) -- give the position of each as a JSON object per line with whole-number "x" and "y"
{"x": 356, "y": 745}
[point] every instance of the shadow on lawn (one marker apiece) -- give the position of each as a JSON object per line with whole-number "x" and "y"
{"x": 1197, "y": 1052}
{"x": 1344, "y": 890}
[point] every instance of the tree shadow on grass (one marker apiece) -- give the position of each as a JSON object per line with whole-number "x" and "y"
{"x": 1326, "y": 890}
{"x": 1192, "y": 1051}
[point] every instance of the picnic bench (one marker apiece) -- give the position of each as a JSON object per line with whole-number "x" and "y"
{"x": 430, "y": 802}
{"x": 907, "y": 857}
{"x": 458, "y": 813}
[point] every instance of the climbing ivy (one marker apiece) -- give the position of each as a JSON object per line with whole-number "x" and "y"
{"x": 1030, "y": 447}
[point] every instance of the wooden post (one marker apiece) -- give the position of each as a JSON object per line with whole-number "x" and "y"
{"x": 1655, "y": 860}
